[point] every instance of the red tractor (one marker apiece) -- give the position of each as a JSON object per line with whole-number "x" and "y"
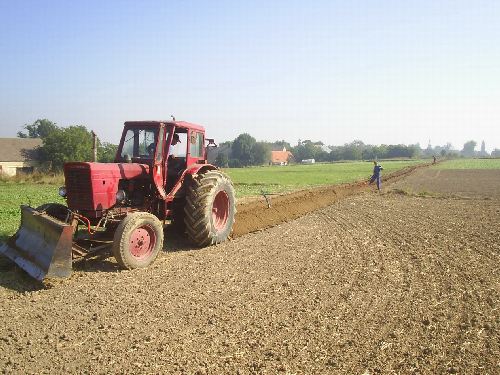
{"x": 160, "y": 175}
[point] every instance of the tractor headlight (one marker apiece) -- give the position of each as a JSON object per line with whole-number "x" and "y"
{"x": 120, "y": 196}
{"x": 62, "y": 191}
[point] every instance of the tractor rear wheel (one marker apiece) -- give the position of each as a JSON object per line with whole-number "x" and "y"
{"x": 210, "y": 208}
{"x": 138, "y": 240}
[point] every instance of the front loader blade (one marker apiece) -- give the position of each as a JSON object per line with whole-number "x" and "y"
{"x": 41, "y": 246}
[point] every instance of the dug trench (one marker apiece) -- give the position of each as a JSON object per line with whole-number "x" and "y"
{"x": 266, "y": 212}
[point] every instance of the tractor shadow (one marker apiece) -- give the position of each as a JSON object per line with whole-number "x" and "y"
{"x": 104, "y": 261}
{"x": 175, "y": 241}
{"x": 14, "y": 278}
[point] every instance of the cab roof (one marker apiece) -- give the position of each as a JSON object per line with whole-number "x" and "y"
{"x": 180, "y": 124}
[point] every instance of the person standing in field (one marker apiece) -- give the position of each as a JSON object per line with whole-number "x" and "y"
{"x": 377, "y": 175}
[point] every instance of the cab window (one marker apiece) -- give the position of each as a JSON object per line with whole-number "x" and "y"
{"x": 139, "y": 143}
{"x": 196, "y": 144}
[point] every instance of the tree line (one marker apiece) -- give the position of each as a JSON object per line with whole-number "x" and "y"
{"x": 62, "y": 144}
{"x": 74, "y": 143}
{"x": 244, "y": 150}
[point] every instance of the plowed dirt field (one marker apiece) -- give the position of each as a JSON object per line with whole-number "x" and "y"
{"x": 400, "y": 282}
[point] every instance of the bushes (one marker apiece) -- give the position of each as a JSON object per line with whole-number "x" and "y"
{"x": 48, "y": 178}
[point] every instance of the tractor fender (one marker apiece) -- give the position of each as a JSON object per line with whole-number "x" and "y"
{"x": 198, "y": 169}
{"x": 192, "y": 171}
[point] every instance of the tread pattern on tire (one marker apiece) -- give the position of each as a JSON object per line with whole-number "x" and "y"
{"x": 200, "y": 195}
{"x": 122, "y": 237}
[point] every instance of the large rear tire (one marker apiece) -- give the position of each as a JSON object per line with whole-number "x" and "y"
{"x": 210, "y": 208}
{"x": 138, "y": 240}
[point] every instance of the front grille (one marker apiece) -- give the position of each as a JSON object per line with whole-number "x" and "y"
{"x": 79, "y": 188}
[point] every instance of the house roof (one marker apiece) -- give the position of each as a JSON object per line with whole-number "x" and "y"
{"x": 18, "y": 149}
{"x": 280, "y": 156}
{"x": 277, "y": 148}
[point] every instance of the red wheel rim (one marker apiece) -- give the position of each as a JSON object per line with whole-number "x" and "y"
{"x": 142, "y": 242}
{"x": 220, "y": 210}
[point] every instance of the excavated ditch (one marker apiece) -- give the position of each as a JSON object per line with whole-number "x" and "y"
{"x": 260, "y": 213}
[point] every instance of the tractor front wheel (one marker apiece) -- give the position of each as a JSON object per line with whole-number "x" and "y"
{"x": 138, "y": 240}
{"x": 210, "y": 208}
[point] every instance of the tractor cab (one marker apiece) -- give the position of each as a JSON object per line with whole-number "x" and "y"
{"x": 145, "y": 141}
{"x": 168, "y": 148}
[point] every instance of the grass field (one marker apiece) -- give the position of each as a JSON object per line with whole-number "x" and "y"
{"x": 247, "y": 182}
{"x": 278, "y": 179}
{"x": 469, "y": 164}
{"x": 12, "y": 195}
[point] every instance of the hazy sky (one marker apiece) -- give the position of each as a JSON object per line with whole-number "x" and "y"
{"x": 380, "y": 71}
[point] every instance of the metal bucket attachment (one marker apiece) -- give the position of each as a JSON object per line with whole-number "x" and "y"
{"x": 41, "y": 246}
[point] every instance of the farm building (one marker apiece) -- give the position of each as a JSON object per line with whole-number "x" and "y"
{"x": 282, "y": 157}
{"x": 18, "y": 155}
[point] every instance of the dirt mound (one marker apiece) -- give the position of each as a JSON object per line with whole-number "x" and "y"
{"x": 261, "y": 213}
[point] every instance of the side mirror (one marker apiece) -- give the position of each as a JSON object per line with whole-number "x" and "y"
{"x": 211, "y": 142}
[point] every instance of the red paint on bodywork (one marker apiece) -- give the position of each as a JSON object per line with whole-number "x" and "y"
{"x": 192, "y": 170}
{"x": 102, "y": 178}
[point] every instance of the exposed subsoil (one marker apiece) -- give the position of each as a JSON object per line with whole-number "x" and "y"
{"x": 373, "y": 283}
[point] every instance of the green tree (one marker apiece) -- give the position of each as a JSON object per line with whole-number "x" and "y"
{"x": 41, "y": 128}
{"x": 335, "y": 153}
{"x": 73, "y": 143}
{"x": 353, "y": 151}
{"x": 368, "y": 153}
{"x": 414, "y": 151}
{"x": 222, "y": 160}
{"x": 281, "y": 144}
{"x": 241, "y": 149}
{"x": 305, "y": 150}
{"x": 380, "y": 152}
{"x": 261, "y": 153}
{"x": 106, "y": 152}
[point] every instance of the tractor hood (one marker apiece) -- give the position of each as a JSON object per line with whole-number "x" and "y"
{"x": 93, "y": 186}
